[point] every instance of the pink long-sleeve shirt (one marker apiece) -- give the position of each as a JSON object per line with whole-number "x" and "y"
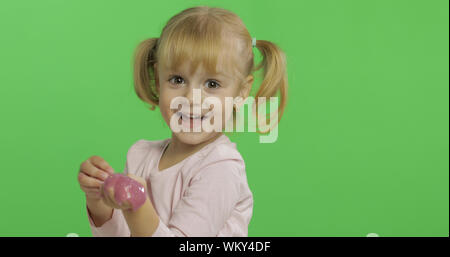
{"x": 206, "y": 194}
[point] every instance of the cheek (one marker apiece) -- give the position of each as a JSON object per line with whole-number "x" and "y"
{"x": 225, "y": 111}
{"x": 165, "y": 99}
{"x": 164, "y": 106}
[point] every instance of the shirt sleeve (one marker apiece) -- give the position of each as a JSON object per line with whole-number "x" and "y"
{"x": 114, "y": 227}
{"x": 206, "y": 204}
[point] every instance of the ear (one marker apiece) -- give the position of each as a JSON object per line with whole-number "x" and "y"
{"x": 246, "y": 87}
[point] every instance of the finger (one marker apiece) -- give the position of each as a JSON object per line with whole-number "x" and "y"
{"x": 112, "y": 199}
{"x": 88, "y": 181}
{"x": 91, "y": 170}
{"x": 108, "y": 200}
{"x": 125, "y": 205}
{"x": 95, "y": 196}
{"x": 93, "y": 193}
{"x": 104, "y": 197}
{"x": 100, "y": 163}
{"x": 90, "y": 189}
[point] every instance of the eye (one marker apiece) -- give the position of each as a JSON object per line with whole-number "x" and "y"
{"x": 212, "y": 84}
{"x": 176, "y": 80}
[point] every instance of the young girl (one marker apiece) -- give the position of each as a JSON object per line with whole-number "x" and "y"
{"x": 195, "y": 182}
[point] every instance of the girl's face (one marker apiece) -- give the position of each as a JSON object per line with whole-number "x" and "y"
{"x": 178, "y": 83}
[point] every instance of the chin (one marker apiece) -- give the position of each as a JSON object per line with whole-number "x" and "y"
{"x": 194, "y": 138}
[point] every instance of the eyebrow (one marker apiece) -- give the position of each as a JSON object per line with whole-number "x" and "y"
{"x": 220, "y": 74}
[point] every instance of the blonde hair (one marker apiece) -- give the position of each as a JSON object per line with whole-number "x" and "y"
{"x": 200, "y": 34}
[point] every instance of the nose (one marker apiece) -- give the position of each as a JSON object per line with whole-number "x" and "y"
{"x": 194, "y": 96}
{"x": 189, "y": 94}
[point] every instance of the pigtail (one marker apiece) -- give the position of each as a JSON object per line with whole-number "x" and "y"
{"x": 144, "y": 74}
{"x": 274, "y": 76}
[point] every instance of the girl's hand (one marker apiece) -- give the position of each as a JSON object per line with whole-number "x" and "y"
{"x": 91, "y": 175}
{"x": 139, "y": 179}
{"x": 108, "y": 194}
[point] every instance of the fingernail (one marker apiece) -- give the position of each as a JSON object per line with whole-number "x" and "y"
{"x": 105, "y": 176}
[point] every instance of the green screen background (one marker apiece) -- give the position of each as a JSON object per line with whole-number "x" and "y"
{"x": 362, "y": 147}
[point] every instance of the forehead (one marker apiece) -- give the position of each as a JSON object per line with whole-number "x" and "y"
{"x": 187, "y": 68}
{"x": 190, "y": 53}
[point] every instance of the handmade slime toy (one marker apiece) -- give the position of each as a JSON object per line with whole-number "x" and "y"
{"x": 126, "y": 189}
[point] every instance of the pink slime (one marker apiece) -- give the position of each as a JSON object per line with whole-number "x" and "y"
{"x": 126, "y": 189}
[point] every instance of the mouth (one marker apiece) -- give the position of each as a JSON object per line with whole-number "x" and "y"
{"x": 192, "y": 118}
{"x": 191, "y": 121}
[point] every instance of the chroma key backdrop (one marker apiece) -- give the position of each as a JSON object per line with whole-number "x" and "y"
{"x": 362, "y": 147}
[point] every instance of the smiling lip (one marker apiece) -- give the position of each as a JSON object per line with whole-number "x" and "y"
{"x": 186, "y": 116}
